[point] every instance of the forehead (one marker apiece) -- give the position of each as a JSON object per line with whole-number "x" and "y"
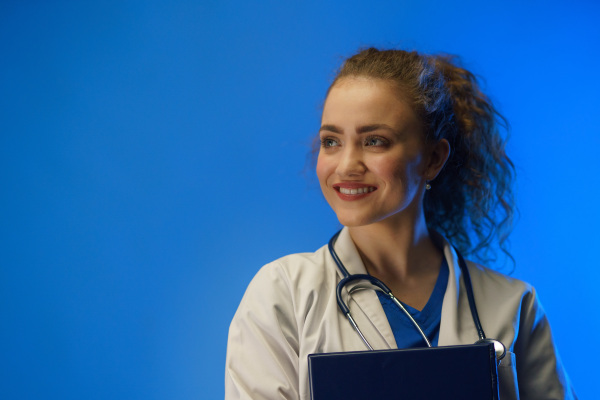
{"x": 366, "y": 100}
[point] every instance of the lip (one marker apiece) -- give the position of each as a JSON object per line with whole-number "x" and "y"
{"x": 350, "y": 186}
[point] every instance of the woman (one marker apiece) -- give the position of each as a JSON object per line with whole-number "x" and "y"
{"x": 410, "y": 151}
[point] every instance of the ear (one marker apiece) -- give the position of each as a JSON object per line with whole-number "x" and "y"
{"x": 440, "y": 151}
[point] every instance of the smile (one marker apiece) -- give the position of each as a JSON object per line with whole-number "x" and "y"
{"x": 357, "y": 190}
{"x": 353, "y": 191}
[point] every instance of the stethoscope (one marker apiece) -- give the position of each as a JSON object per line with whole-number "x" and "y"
{"x": 380, "y": 286}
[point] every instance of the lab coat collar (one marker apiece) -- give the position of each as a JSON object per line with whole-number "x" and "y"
{"x": 348, "y": 254}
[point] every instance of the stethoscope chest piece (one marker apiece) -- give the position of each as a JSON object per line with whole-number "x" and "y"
{"x": 498, "y": 347}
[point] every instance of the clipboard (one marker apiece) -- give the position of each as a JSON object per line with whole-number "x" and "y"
{"x": 462, "y": 372}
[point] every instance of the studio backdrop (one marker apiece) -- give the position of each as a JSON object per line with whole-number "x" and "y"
{"x": 155, "y": 154}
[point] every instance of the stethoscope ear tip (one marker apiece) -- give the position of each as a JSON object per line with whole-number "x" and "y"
{"x": 499, "y": 348}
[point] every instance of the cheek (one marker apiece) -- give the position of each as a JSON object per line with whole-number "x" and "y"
{"x": 399, "y": 174}
{"x": 410, "y": 174}
{"x": 322, "y": 169}
{"x": 389, "y": 170}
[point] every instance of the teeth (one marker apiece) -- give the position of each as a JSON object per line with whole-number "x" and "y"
{"x": 357, "y": 191}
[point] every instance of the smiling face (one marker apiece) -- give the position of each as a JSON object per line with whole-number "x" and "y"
{"x": 373, "y": 163}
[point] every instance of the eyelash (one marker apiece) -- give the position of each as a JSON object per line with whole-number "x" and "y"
{"x": 384, "y": 142}
{"x": 328, "y": 139}
{"x": 325, "y": 142}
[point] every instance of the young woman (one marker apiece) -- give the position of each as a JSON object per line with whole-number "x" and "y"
{"x": 412, "y": 163}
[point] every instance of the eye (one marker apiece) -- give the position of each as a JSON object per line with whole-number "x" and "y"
{"x": 329, "y": 142}
{"x": 376, "y": 141}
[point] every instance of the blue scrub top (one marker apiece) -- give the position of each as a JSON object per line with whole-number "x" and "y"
{"x": 405, "y": 333}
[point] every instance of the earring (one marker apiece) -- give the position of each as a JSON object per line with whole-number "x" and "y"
{"x": 427, "y": 186}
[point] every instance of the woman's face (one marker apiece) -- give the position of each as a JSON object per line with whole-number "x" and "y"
{"x": 372, "y": 164}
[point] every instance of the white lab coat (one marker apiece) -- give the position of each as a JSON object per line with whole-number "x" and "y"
{"x": 290, "y": 311}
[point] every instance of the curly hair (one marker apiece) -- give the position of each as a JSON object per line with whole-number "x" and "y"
{"x": 471, "y": 201}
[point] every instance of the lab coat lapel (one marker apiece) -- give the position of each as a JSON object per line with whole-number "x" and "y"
{"x": 456, "y": 326}
{"x": 364, "y": 300}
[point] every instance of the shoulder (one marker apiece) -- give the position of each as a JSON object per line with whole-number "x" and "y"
{"x": 290, "y": 270}
{"x": 287, "y": 287}
{"x": 509, "y": 307}
{"x": 264, "y": 340}
{"x": 489, "y": 285}
{"x": 493, "y": 282}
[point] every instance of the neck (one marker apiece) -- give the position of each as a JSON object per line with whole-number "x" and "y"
{"x": 398, "y": 249}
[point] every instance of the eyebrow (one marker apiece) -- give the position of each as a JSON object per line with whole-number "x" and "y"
{"x": 362, "y": 129}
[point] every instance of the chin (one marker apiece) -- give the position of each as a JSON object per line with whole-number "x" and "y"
{"x": 352, "y": 221}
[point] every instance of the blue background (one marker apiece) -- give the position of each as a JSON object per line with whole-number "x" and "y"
{"x": 154, "y": 154}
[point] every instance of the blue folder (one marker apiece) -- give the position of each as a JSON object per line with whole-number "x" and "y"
{"x": 454, "y": 372}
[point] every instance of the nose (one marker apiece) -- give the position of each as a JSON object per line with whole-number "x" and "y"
{"x": 351, "y": 163}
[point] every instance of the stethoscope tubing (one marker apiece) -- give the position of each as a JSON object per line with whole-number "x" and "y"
{"x": 381, "y": 286}
{"x": 348, "y": 278}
